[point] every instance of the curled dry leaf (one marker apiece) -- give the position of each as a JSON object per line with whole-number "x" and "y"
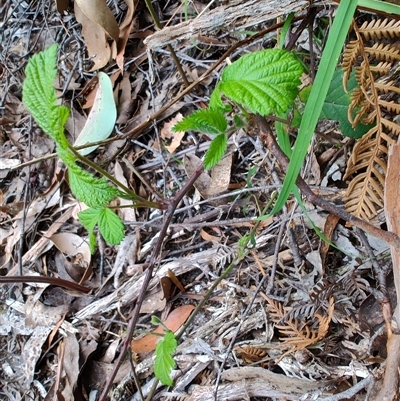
{"x": 72, "y": 245}
{"x": 174, "y": 321}
{"x": 208, "y": 237}
{"x": 213, "y": 185}
{"x": 98, "y": 12}
{"x": 158, "y": 297}
{"x": 175, "y": 137}
{"x": 95, "y": 38}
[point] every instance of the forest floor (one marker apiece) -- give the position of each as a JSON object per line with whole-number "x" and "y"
{"x": 293, "y": 319}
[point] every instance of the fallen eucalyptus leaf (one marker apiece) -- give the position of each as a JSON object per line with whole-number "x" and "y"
{"x": 102, "y": 117}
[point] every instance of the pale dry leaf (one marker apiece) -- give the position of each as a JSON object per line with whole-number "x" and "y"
{"x": 213, "y": 185}
{"x": 167, "y": 133}
{"x": 127, "y": 96}
{"x": 98, "y": 12}
{"x": 208, "y": 237}
{"x": 99, "y": 50}
{"x": 42, "y": 244}
{"x": 32, "y": 350}
{"x": 126, "y": 214}
{"x": 221, "y": 175}
{"x": 129, "y": 14}
{"x": 123, "y": 40}
{"x": 72, "y": 245}
{"x": 70, "y": 366}
{"x": 192, "y": 163}
{"x": 155, "y": 300}
{"x": 111, "y": 351}
{"x": 42, "y": 202}
{"x": 42, "y": 319}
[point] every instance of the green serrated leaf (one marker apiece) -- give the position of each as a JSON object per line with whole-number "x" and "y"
{"x": 89, "y": 219}
{"x": 215, "y": 151}
{"x": 39, "y": 95}
{"x": 216, "y": 101}
{"x": 94, "y": 192}
{"x": 111, "y": 227}
{"x": 337, "y": 103}
{"x": 207, "y": 121}
{"x": 164, "y": 362}
{"x": 263, "y": 82}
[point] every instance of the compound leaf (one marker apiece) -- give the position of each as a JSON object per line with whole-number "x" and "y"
{"x": 164, "y": 362}
{"x": 111, "y": 226}
{"x": 39, "y": 95}
{"x": 94, "y": 192}
{"x": 263, "y": 82}
{"x": 89, "y": 219}
{"x": 215, "y": 151}
{"x": 207, "y": 121}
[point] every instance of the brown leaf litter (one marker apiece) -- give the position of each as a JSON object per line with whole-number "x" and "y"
{"x": 296, "y": 317}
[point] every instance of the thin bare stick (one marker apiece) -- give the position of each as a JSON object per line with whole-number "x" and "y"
{"x": 159, "y": 25}
{"x": 149, "y": 274}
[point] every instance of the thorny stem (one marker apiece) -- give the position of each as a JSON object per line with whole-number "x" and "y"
{"x": 149, "y": 273}
{"x": 159, "y": 25}
{"x": 268, "y": 138}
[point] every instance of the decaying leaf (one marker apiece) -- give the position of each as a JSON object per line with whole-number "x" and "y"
{"x": 95, "y": 38}
{"x": 98, "y": 12}
{"x": 217, "y": 183}
{"x": 175, "y": 137}
{"x": 72, "y": 245}
{"x": 367, "y": 165}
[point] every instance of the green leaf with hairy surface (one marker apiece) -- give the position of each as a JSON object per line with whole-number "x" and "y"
{"x": 111, "y": 226}
{"x": 207, "y": 121}
{"x": 164, "y": 362}
{"x": 39, "y": 95}
{"x": 215, "y": 151}
{"x": 94, "y": 192}
{"x": 89, "y": 219}
{"x": 337, "y": 103}
{"x": 264, "y": 82}
{"x": 216, "y": 102}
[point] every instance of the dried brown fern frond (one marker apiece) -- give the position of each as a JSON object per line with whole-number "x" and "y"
{"x": 299, "y": 335}
{"x": 378, "y": 29}
{"x": 250, "y": 353}
{"x": 370, "y": 104}
{"x": 384, "y": 52}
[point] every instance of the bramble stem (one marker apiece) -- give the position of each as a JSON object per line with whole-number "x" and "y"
{"x": 136, "y": 198}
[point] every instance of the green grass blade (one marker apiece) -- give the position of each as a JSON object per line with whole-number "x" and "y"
{"x": 380, "y": 6}
{"x": 312, "y": 111}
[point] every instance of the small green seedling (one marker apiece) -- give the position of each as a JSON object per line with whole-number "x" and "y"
{"x": 41, "y": 100}
{"x": 164, "y": 362}
{"x": 262, "y": 82}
